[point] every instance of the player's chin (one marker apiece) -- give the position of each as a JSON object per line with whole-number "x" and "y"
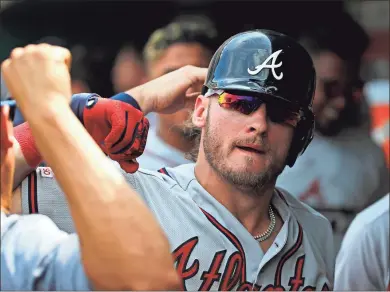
{"x": 249, "y": 164}
{"x": 250, "y": 158}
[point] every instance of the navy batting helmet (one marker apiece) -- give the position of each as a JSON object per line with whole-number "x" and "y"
{"x": 264, "y": 62}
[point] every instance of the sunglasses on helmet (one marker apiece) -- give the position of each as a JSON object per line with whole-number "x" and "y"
{"x": 277, "y": 111}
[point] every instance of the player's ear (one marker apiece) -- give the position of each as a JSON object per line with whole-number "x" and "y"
{"x": 200, "y": 111}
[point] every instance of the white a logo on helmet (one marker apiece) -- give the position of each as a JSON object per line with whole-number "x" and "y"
{"x": 267, "y": 66}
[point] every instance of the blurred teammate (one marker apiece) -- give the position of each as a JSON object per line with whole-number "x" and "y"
{"x": 35, "y": 254}
{"x": 342, "y": 170}
{"x": 363, "y": 262}
{"x": 377, "y": 92}
{"x": 80, "y": 73}
{"x": 189, "y": 40}
{"x": 228, "y": 226}
{"x": 128, "y": 70}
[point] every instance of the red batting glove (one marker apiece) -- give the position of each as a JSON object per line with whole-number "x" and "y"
{"x": 119, "y": 129}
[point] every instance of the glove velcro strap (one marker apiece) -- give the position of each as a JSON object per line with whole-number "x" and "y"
{"x": 78, "y": 104}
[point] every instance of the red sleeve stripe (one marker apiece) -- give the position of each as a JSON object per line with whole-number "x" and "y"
{"x": 32, "y": 193}
{"x": 281, "y": 196}
{"x": 287, "y": 255}
{"x": 164, "y": 171}
{"x": 232, "y": 238}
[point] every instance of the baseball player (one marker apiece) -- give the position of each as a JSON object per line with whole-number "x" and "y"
{"x": 343, "y": 170}
{"x": 363, "y": 262}
{"x": 228, "y": 226}
{"x": 188, "y": 40}
{"x": 35, "y": 254}
{"x": 378, "y": 98}
{"x": 128, "y": 70}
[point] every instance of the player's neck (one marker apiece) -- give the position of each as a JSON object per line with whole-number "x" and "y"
{"x": 173, "y": 137}
{"x": 249, "y": 208}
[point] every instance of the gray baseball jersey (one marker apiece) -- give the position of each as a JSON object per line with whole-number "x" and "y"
{"x": 211, "y": 248}
{"x": 363, "y": 262}
{"x": 36, "y": 255}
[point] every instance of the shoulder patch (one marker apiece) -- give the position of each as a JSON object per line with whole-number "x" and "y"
{"x": 46, "y": 172}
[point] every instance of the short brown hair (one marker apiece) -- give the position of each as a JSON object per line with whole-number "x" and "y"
{"x": 184, "y": 29}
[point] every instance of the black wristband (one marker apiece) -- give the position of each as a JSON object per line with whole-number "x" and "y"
{"x": 124, "y": 97}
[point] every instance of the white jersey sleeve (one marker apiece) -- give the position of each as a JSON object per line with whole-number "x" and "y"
{"x": 36, "y": 255}
{"x": 363, "y": 260}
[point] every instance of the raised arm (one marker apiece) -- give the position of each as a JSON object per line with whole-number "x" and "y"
{"x": 122, "y": 245}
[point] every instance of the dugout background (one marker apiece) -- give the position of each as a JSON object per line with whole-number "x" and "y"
{"x": 104, "y": 26}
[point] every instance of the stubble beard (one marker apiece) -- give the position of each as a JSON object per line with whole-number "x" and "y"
{"x": 253, "y": 183}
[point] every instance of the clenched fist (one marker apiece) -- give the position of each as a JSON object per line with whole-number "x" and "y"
{"x": 119, "y": 129}
{"x": 37, "y": 75}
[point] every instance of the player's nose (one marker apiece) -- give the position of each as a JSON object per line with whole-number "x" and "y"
{"x": 258, "y": 121}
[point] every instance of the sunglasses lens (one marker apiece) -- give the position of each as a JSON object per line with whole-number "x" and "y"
{"x": 243, "y": 104}
{"x": 283, "y": 115}
{"x": 277, "y": 112}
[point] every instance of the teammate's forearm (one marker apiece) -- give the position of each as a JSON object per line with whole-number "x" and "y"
{"x": 145, "y": 105}
{"x": 117, "y": 231}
